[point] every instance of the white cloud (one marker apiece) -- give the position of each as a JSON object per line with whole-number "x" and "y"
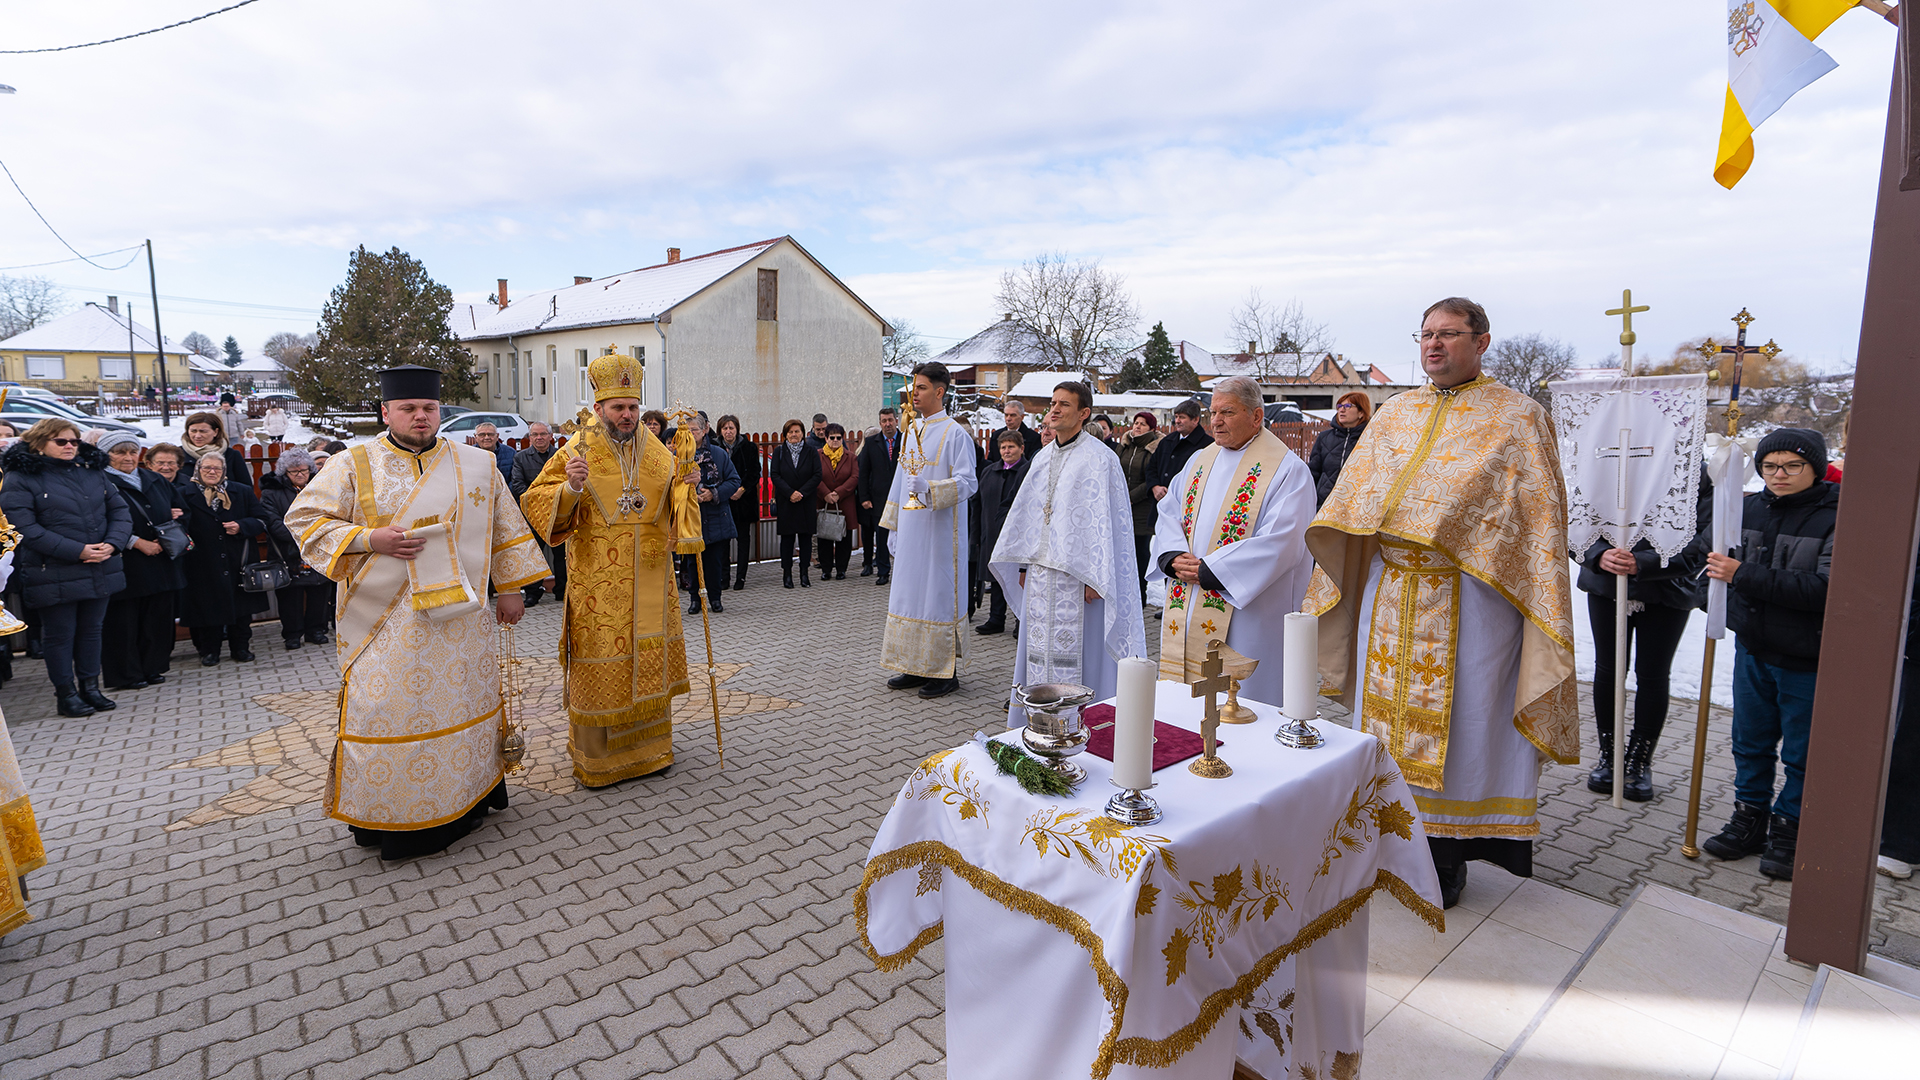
{"x": 1365, "y": 160}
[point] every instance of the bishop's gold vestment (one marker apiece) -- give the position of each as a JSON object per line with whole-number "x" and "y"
{"x": 419, "y": 737}
{"x": 1452, "y": 492}
{"x": 621, "y": 647}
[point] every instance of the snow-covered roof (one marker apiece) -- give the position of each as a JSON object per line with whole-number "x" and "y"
{"x": 1137, "y": 401}
{"x": 250, "y": 364}
{"x": 1004, "y": 342}
{"x": 1040, "y": 384}
{"x": 91, "y": 329}
{"x": 618, "y": 299}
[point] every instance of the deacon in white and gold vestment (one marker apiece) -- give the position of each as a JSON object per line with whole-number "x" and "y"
{"x": 1241, "y": 509}
{"x": 610, "y": 497}
{"x": 1446, "y": 616}
{"x": 926, "y": 608}
{"x": 414, "y": 527}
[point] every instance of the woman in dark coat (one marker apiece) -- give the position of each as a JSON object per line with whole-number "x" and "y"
{"x": 796, "y": 476}
{"x": 745, "y": 500}
{"x": 306, "y": 605}
{"x": 1136, "y": 451}
{"x": 223, "y": 518}
{"x": 1335, "y": 445}
{"x": 839, "y": 472}
{"x": 72, "y": 527}
{"x": 203, "y": 435}
{"x": 999, "y": 483}
{"x": 716, "y": 489}
{"x": 138, "y": 635}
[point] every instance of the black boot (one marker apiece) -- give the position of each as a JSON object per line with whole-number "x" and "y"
{"x": 939, "y": 688}
{"x": 1637, "y": 785}
{"x": 1600, "y": 780}
{"x": 1784, "y": 838}
{"x": 904, "y": 681}
{"x": 786, "y": 575}
{"x": 694, "y": 607}
{"x": 70, "y": 703}
{"x": 804, "y": 583}
{"x": 713, "y": 604}
{"x": 740, "y": 582}
{"x": 90, "y": 693}
{"x": 1745, "y": 834}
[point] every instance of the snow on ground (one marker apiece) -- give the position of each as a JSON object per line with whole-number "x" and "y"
{"x": 1686, "y": 661}
{"x": 297, "y": 433}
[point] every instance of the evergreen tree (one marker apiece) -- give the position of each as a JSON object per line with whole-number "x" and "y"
{"x": 1158, "y": 367}
{"x": 232, "y": 349}
{"x": 388, "y": 312}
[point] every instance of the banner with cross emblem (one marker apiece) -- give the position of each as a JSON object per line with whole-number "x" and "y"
{"x": 1632, "y": 447}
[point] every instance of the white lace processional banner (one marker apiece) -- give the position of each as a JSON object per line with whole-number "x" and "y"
{"x": 1632, "y": 447}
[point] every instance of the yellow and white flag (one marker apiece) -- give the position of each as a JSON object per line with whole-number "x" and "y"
{"x": 1770, "y": 57}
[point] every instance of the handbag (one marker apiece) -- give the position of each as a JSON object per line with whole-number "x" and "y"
{"x": 173, "y": 540}
{"x": 265, "y": 576}
{"x": 831, "y": 526}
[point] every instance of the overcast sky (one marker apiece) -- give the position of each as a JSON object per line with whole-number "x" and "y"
{"x": 1365, "y": 159}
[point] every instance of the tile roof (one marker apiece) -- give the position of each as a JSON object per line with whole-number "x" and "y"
{"x": 91, "y": 329}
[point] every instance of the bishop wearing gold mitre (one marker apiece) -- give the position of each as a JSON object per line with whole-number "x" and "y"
{"x": 414, "y": 527}
{"x": 1445, "y": 613}
{"x": 610, "y": 497}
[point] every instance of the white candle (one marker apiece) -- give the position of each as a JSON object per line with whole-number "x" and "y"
{"x": 1133, "y": 723}
{"x": 1301, "y": 676}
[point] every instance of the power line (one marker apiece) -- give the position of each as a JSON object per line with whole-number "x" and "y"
{"x": 96, "y": 255}
{"x": 127, "y": 37}
{"x": 49, "y": 224}
{"x": 204, "y": 300}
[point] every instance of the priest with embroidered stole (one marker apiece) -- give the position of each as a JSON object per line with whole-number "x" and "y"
{"x": 1230, "y": 543}
{"x": 612, "y": 497}
{"x": 1446, "y": 618}
{"x": 926, "y": 519}
{"x": 414, "y": 527}
{"x": 1065, "y": 559}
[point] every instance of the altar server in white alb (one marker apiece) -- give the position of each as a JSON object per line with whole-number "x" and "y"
{"x": 926, "y": 609}
{"x": 1065, "y": 559}
{"x": 1232, "y": 544}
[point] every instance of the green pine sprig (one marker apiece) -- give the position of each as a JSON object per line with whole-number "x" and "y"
{"x": 1029, "y": 772}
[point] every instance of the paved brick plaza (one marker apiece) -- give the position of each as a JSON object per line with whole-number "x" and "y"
{"x": 200, "y": 918}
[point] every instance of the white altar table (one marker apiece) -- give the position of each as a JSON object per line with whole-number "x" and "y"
{"x": 1233, "y": 929}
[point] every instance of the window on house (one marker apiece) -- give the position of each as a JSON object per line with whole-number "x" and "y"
{"x": 46, "y": 367}
{"x": 993, "y": 379}
{"x": 117, "y": 368}
{"x": 769, "y": 295}
{"x": 638, "y": 352}
{"x": 586, "y": 387}
{"x": 497, "y": 381}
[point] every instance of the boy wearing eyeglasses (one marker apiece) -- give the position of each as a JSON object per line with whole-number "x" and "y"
{"x": 1776, "y": 603}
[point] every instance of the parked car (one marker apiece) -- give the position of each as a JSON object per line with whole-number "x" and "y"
{"x": 511, "y": 425}
{"x": 448, "y": 412}
{"x": 1284, "y": 412}
{"x": 24, "y": 411}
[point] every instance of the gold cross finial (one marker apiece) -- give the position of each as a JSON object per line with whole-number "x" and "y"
{"x": 1626, "y": 312}
{"x": 1710, "y": 349}
{"x": 1743, "y": 319}
{"x": 1770, "y": 349}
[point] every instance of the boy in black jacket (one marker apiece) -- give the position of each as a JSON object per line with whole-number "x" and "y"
{"x": 1776, "y": 603}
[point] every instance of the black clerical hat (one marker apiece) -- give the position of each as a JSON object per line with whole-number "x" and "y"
{"x": 409, "y": 382}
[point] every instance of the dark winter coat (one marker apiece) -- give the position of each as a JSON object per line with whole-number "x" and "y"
{"x": 526, "y": 468}
{"x": 1778, "y": 598}
{"x": 997, "y": 488}
{"x": 716, "y": 472}
{"x": 842, "y": 479}
{"x": 1330, "y": 452}
{"x": 1029, "y": 436}
{"x": 794, "y": 518}
{"x": 236, "y": 461}
{"x": 746, "y": 465}
{"x": 213, "y": 596}
{"x": 1136, "y": 453}
{"x": 503, "y": 456}
{"x": 1170, "y": 457}
{"x": 877, "y": 466}
{"x": 1679, "y": 584}
{"x": 60, "y": 507}
{"x": 152, "y": 505}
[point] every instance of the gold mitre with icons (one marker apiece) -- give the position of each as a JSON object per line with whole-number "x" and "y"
{"x": 615, "y": 375}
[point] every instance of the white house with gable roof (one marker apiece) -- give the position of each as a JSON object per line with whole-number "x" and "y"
{"x": 762, "y": 331}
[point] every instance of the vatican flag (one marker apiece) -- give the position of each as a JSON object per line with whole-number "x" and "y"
{"x": 1770, "y": 57}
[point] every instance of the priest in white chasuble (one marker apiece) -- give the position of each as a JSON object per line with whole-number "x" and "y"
{"x": 1230, "y": 542}
{"x": 414, "y": 527}
{"x": 612, "y": 497}
{"x": 1445, "y": 613}
{"x": 926, "y": 515}
{"x": 1065, "y": 559}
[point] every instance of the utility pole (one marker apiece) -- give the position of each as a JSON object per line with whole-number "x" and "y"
{"x": 159, "y": 339}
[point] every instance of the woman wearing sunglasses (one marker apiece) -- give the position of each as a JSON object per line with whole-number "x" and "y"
{"x": 73, "y": 526}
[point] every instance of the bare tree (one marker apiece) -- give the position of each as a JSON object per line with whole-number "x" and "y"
{"x": 1280, "y": 339}
{"x": 289, "y": 348}
{"x": 26, "y": 302}
{"x": 200, "y": 344}
{"x": 905, "y": 348}
{"x": 1076, "y": 315}
{"x": 1526, "y": 361}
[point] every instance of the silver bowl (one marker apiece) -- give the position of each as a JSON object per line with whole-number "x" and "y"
{"x": 1054, "y": 732}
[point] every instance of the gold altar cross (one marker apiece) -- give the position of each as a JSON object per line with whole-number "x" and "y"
{"x": 1626, "y": 311}
{"x": 1212, "y": 683}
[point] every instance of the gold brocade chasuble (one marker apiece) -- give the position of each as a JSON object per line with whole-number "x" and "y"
{"x": 419, "y": 736}
{"x": 622, "y": 650}
{"x": 1196, "y": 618}
{"x": 1447, "y": 482}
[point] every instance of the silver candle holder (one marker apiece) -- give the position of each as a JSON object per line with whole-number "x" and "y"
{"x": 1133, "y": 806}
{"x": 1298, "y": 734}
{"x": 1054, "y": 732}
